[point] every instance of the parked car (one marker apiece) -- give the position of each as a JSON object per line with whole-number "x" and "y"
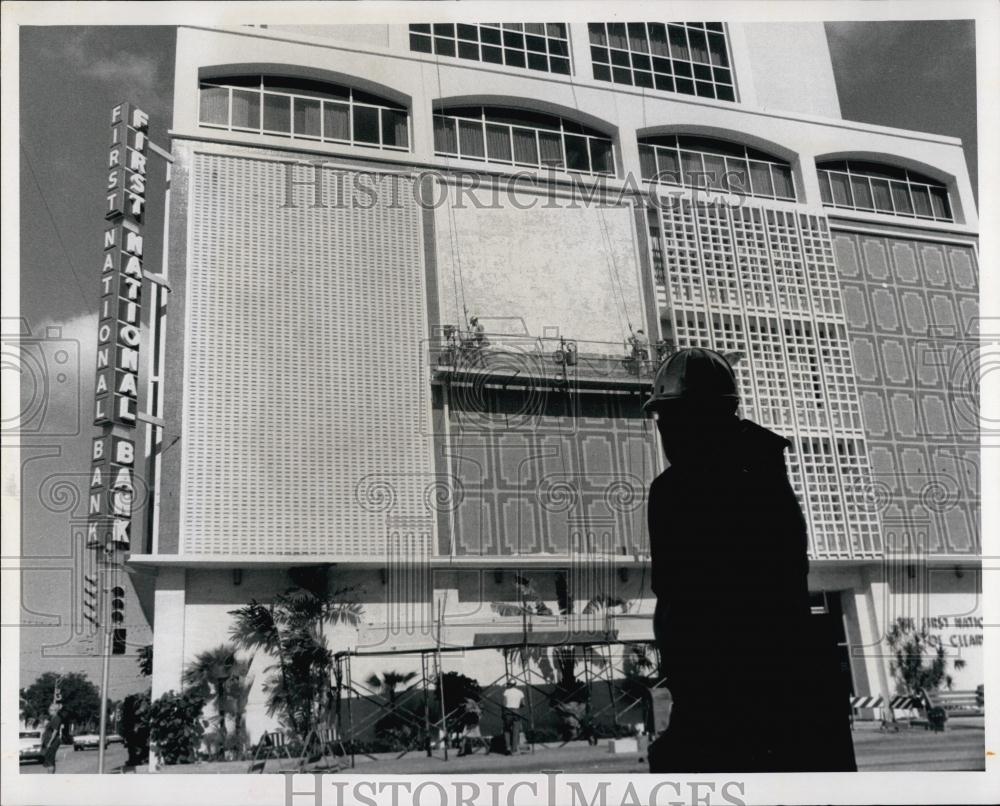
{"x": 89, "y": 741}
{"x": 30, "y": 745}
{"x": 114, "y": 738}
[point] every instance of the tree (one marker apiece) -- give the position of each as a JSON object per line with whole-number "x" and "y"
{"x": 399, "y": 724}
{"x": 81, "y": 701}
{"x": 219, "y": 674}
{"x": 290, "y": 629}
{"x": 917, "y": 664}
{"x": 557, "y": 664}
{"x": 456, "y": 690}
{"x": 144, "y": 658}
{"x": 175, "y": 725}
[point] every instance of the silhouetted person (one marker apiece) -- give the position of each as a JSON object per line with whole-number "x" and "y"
{"x": 752, "y": 689}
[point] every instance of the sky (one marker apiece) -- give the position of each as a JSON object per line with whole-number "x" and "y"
{"x": 912, "y": 75}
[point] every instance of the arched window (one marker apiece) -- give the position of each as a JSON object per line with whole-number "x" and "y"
{"x": 706, "y": 162}
{"x": 303, "y": 109}
{"x": 880, "y": 188}
{"x": 524, "y": 138}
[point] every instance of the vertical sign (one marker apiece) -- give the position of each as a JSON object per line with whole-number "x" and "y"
{"x": 116, "y": 392}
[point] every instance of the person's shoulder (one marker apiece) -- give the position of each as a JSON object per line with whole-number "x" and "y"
{"x": 761, "y": 446}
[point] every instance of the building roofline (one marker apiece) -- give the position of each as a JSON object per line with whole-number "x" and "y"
{"x": 906, "y": 134}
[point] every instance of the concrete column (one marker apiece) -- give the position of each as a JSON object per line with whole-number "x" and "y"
{"x": 168, "y": 635}
{"x": 869, "y": 602}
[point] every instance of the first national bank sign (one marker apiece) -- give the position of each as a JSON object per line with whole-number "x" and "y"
{"x": 116, "y": 391}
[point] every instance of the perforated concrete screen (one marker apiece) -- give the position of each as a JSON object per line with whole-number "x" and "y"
{"x": 306, "y": 414}
{"x": 762, "y": 281}
{"x": 912, "y": 310}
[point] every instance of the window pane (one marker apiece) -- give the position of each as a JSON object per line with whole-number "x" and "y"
{"x": 419, "y": 43}
{"x": 445, "y": 140}
{"x": 336, "y": 121}
{"x": 715, "y": 167}
{"x": 365, "y": 124}
{"x": 647, "y": 162}
{"x": 498, "y": 143}
{"x": 862, "y": 192}
{"x": 678, "y": 42}
{"x": 784, "y": 188}
{"x": 470, "y": 139}
{"x": 215, "y": 106}
{"x": 602, "y": 72}
{"x": 616, "y": 35}
{"x": 468, "y": 50}
{"x": 444, "y": 47}
{"x": 841, "y": 190}
{"x": 597, "y": 35}
{"x": 601, "y": 156}
{"x": 307, "y": 112}
{"x": 668, "y": 165}
{"x": 725, "y": 93}
{"x": 699, "y": 45}
{"x": 560, "y": 66}
{"x": 246, "y": 109}
{"x": 921, "y": 201}
{"x": 525, "y": 147}
{"x": 637, "y": 37}
{"x": 717, "y": 49}
{"x": 513, "y": 58}
{"x": 492, "y": 55}
{"x": 693, "y": 171}
{"x": 394, "y": 129}
{"x": 940, "y": 204}
{"x": 901, "y": 197}
{"x": 738, "y": 171}
{"x": 658, "y": 39}
{"x": 577, "y": 157}
{"x": 883, "y": 200}
{"x": 824, "y": 187}
{"x": 760, "y": 179}
{"x": 550, "y": 144}
{"x": 277, "y": 113}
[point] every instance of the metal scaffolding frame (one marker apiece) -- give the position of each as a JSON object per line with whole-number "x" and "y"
{"x": 515, "y": 650}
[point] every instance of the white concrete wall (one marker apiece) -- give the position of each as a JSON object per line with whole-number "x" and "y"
{"x": 526, "y": 266}
{"x": 790, "y": 67}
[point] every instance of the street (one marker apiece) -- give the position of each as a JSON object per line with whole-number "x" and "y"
{"x": 69, "y": 760}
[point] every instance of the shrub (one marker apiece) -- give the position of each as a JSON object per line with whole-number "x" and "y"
{"x": 134, "y": 728}
{"x": 175, "y": 726}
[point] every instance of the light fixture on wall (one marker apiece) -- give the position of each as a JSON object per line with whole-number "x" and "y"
{"x": 498, "y": 576}
{"x": 237, "y": 576}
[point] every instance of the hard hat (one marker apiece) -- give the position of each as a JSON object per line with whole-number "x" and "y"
{"x": 693, "y": 373}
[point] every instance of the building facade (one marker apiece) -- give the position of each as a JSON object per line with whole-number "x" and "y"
{"x": 345, "y": 199}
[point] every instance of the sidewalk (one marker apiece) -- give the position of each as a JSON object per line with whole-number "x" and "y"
{"x": 960, "y": 747}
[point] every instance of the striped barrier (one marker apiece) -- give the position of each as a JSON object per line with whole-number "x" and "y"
{"x": 879, "y": 702}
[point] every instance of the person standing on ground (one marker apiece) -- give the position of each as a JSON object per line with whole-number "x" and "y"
{"x": 513, "y": 698}
{"x": 752, "y": 689}
{"x": 51, "y": 737}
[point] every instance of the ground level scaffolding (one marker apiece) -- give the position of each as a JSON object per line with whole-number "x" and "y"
{"x": 634, "y": 662}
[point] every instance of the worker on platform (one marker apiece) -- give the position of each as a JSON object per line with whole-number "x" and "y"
{"x": 639, "y": 342}
{"x": 478, "y": 332}
{"x": 513, "y": 699}
{"x": 752, "y": 689}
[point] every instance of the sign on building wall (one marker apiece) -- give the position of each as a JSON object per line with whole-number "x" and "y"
{"x": 116, "y": 389}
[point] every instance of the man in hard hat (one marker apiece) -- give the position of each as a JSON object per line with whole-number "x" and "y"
{"x": 751, "y": 689}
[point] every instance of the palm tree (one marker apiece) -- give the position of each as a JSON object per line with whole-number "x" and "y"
{"x": 211, "y": 673}
{"x": 291, "y": 630}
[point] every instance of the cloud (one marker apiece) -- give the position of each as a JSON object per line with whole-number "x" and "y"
{"x": 106, "y": 55}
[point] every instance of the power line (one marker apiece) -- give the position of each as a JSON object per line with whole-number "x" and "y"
{"x": 55, "y": 228}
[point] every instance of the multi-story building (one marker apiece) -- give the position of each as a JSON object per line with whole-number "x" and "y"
{"x": 346, "y": 198}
